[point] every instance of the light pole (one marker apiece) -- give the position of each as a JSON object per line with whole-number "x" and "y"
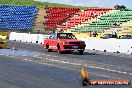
{"x": 96, "y": 22}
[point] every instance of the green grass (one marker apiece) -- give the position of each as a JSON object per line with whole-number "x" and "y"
{"x": 36, "y": 3}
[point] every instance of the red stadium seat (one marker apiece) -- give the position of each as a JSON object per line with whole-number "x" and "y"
{"x": 58, "y": 14}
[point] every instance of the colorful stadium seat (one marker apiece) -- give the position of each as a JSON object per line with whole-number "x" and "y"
{"x": 83, "y": 16}
{"x": 17, "y": 17}
{"x": 58, "y": 15}
{"x": 107, "y": 21}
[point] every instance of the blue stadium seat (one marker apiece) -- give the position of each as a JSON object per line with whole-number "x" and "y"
{"x": 17, "y": 17}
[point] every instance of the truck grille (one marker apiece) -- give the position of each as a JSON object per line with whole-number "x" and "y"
{"x": 74, "y": 42}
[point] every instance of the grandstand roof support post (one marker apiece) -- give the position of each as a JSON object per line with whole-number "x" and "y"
{"x": 78, "y": 29}
{"x": 131, "y": 31}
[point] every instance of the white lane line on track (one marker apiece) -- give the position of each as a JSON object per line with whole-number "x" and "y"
{"x": 43, "y": 63}
{"x": 70, "y": 68}
{"x": 79, "y": 64}
{"x": 110, "y": 70}
{"x": 76, "y": 64}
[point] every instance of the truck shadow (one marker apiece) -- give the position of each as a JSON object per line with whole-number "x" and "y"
{"x": 77, "y": 53}
{"x": 85, "y": 53}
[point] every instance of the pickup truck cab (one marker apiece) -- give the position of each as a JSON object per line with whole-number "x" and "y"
{"x": 64, "y": 42}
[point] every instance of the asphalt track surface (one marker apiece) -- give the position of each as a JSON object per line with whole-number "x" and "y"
{"x": 42, "y": 69}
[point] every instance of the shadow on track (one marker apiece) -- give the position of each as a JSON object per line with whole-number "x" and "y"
{"x": 85, "y": 53}
{"x": 76, "y": 53}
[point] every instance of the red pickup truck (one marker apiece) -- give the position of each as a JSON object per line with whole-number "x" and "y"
{"x": 64, "y": 42}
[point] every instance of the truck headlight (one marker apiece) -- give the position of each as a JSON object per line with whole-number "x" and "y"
{"x": 65, "y": 42}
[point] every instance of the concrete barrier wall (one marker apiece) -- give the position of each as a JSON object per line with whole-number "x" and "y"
{"x": 27, "y": 37}
{"x": 108, "y": 45}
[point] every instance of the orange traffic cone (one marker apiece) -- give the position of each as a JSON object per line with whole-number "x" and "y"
{"x": 84, "y": 78}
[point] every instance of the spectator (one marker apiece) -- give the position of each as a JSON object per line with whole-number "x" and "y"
{"x": 119, "y": 37}
{"x": 46, "y": 7}
{"x": 53, "y": 31}
{"x": 61, "y": 31}
{"x": 114, "y": 24}
{"x": 95, "y": 34}
{"x": 90, "y": 34}
{"x": 38, "y": 30}
{"x": 114, "y": 34}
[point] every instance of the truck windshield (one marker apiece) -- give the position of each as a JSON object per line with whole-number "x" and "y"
{"x": 66, "y": 36}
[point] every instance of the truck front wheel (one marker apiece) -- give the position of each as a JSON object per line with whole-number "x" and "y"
{"x": 81, "y": 52}
{"x": 59, "y": 49}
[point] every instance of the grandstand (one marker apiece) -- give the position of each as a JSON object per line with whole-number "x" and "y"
{"x": 90, "y": 19}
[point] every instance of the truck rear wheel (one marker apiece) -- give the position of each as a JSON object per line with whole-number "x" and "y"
{"x": 81, "y": 52}
{"x": 47, "y": 47}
